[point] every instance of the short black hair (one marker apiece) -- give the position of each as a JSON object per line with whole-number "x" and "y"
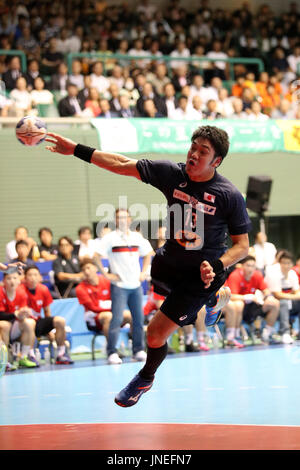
{"x": 69, "y": 240}
{"x": 217, "y": 137}
{"x": 286, "y": 255}
{"x": 28, "y": 268}
{"x": 84, "y": 229}
{"x": 45, "y": 229}
{"x": 21, "y": 242}
{"x": 248, "y": 258}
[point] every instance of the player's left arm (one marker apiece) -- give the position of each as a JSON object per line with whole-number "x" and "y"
{"x": 238, "y": 251}
{"x": 47, "y": 311}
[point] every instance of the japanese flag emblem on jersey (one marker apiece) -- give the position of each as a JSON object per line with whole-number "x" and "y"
{"x": 209, "y": 197}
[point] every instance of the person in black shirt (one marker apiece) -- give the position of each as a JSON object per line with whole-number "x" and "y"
{"x": 190, "y": 268}
{"x": 47, "y": 249}
{"x": 66, "y": 267}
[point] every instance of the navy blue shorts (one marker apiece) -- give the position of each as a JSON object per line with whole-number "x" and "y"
{"x": 183, "y": 288}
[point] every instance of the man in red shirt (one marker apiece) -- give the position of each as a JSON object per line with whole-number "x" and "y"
{"x": 38, "y": 297}
{"x": 14, "y": 317}
{"x": 94, "y": 294}
{"x": 250, "y": 297}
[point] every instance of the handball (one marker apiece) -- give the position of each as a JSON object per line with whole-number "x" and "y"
{"x": 31, "y": 130}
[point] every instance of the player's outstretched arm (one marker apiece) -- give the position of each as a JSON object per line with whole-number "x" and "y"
{"x": 114, "y": 162}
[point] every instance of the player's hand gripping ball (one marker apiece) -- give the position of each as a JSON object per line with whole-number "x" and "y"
{"x": 31, "y": 130}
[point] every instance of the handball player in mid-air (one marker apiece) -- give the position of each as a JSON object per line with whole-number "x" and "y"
{"x": 190, "y": 268}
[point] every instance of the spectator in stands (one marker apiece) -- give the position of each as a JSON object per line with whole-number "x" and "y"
{"x": 114, "y": 93}
{"x": 159, "y": 78}
{"x": 265, "y": 252}
{"x": 76, "y": 76}
{"x": 279, "y": 62}
{"x": 39, "y": 95}
{"x": 270, "y": 100}
{"x": 21, "y": 233}
{"x": 296, "y": 268}
{"x": 284, "y": 110}
{"x": 123, "y": 247}
{"x": 184, "y": 110}
{"x": 250, "y": 298}
{"x": 150, "y": 110}
{"x": 180, "y": 52}
{"x": 47, "y": 249}
{"x": 200, "y": 27}
{"x": 106, "y": 111}
{"x": 138, "y": 51}
{"x": 83, "y": 94}
{"x": 218, "y": 66}
{"x": 284, "y": 285}
{"x": 93, "y": 102}
{"x": 85, "y": 246}
{"x": 28, "y": 44}
{"x": 71, "y": 104}
{"x": 51, "y": 58}
{"x": 238, "y": 86}
{"x": 32, "y": 73}
{"x": 170, "y": 99}
{"x": 180, "y": 77}
{"x": 66, "y": 267}
{"x": 224, "y": 104}
{"x": 198, "y": 106}
{"x": 149, "y": 94}
{"x": 126, "y": 111}
{"x": 6, "y": 106}
{"x": 117, "y": 76}
{"x": 211, "y": 111}
{"x": 262, "y": 83}
{"x": 197, "y": 88}
{"x": 22, "y": 102}
{"x": 255, "y": 112}
{"x": 23, "y": 253}
{"x": 98, "y": 80}
{"x": 294, "y": 59}
{"x": 11, "y": 76}
{"x": 247, "y": 97}
{"x": 15, "y": 321}
{"x": 94, "y": 294}
{"x": 60, "y": 79}
{"x": 38, "y": 299}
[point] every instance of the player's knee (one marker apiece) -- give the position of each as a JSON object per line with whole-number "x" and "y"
{"x": 59, "y": 322}
{"x": 155, "y": 338}
{"x": 28, "y": 324}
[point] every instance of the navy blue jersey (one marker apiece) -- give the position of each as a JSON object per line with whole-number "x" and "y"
{"x": 200, "y": 214}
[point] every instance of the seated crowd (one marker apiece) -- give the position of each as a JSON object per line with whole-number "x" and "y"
{"x": 264, "y": 305}
{"x": 147, "y": 85}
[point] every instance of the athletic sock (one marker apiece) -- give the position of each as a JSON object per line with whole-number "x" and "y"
{"x": 237, "y": 333}
{"x": 155, "y": 357}
{"x": 200, "y": 336}
{"x": 189, "y": 338}
{"x": 25, "y": 350}
{"x": 269, "y": 329}
{"x": 61, "y": 350}
{"x": 230, "y": 333}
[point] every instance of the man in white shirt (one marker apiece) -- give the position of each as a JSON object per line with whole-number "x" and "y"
{"x": 265, "y": 252}
{"x": 181, "y": 51}
{"x": 98, "y": 80}
{"x": 185, "y": 110}
{"x": 123, "y": 248}
{"x": 284, "y": 284}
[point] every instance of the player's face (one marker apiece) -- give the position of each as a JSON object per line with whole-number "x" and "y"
{"x": 201, "y": 160}
{"x": 32, "y": 278}
{"x": 11, "y": 281}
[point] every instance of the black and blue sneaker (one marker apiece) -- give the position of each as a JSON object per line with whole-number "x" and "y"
{"x": 213, "y": 314}
{"x": 131, "y": 394}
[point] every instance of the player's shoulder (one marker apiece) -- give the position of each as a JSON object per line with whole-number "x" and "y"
{"x": 225, "y": 184}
